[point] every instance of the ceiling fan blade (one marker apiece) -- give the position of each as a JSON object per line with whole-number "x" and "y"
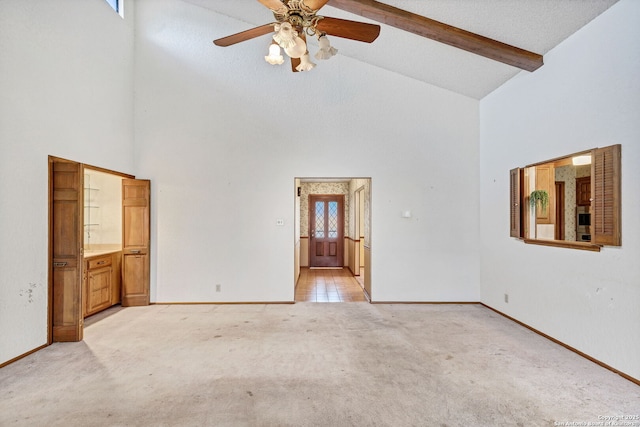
{"x": 441, "y": 32}
{"x": 244, "y": 35}
{"x": 294, "y": 63}
{"x": 315, "y": 4}
{"x": 274, "y": 5}
{"x": 346, "y": 29}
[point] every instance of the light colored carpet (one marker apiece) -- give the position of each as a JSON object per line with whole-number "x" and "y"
{"x": 309, "y": 364}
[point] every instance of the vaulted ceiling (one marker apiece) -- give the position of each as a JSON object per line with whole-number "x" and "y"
{"x": 534, "y": 25}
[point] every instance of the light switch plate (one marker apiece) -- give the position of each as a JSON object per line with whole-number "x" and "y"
{"x": 280, "y": 222}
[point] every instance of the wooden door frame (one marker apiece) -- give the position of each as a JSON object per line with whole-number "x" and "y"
{"x": 50, "y": 299}
{"x": 359, "y": 211}
{"x": 559, "y": 232}
{"x": 367, "y": 207}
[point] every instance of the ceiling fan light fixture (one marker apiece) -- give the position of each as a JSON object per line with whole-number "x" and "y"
{"x": 305, "y": 63}
{"x": 297, "y": 50}
{"x": 275, "y": 56}
{"x": 326, "y": 50}
{"x": 285, "y": 35}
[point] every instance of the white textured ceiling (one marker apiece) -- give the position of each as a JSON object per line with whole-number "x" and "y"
{"x": 534, "y": 25}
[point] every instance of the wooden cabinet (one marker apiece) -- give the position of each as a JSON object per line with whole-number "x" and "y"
{"x": 583, "y": 191}
{"x": 102, "y": 282}
{"x": 545, "y": 180}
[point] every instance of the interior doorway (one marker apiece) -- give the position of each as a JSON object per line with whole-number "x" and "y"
{"x": 98, "y": 244}
{"x": 312, "y": 201}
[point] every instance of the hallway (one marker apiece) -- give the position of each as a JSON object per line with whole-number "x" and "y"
{"x": 324, "y": 285}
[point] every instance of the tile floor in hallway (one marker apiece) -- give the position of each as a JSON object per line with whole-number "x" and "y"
{"x": 322, "y": 285}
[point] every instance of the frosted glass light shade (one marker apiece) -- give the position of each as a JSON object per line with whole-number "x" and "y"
{"x": 285, "y": 35}
{"x": 274, "y": 57}
{"x": 326, "y": 51}
{"x": 298, "y": 49}
{"x": 305, "y": 63}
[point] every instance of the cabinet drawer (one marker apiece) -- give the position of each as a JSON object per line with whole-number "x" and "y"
{"x": 100, "y": 262}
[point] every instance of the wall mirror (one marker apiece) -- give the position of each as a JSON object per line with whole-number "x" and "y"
{"x": 571, "y": 201}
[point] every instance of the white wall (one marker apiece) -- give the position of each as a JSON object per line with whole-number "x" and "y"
{"x": 102, "y": 210}
{"x": 66, "y": 74}
{"x": 586, "y": 95}
{"x": 222, "y": 134}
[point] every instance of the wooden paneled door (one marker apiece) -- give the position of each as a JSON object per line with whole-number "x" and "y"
{"x": 326, "y": 230}
{"x": 66, "y": 249}
{"x": 136, "y": 209}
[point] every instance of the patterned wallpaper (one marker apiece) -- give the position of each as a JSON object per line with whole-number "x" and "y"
{"x": 567, "y": 174}
{"x": 582, "y": 171}
{"x": 346, "y": 188}
{"x": 321, "y": 188}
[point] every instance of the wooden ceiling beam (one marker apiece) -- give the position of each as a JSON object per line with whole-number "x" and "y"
{"x": 441, "y": 32}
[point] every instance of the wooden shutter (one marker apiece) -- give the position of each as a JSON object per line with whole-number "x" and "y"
{"x": 136, "y": 209}
{"x": 605, "y": 195}
{"x": 514, "y": 200}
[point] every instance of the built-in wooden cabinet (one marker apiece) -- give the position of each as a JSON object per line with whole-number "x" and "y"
{"x": 583, "y": 191}
{"x": 545, "y": 180}
{"x": 102, "y": 282}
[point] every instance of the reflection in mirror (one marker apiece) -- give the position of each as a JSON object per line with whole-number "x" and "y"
{"x": 566, "y": 215}
{"x": 569, "y": 199}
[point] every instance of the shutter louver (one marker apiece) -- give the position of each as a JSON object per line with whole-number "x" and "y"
{"x": 605, "y": 196}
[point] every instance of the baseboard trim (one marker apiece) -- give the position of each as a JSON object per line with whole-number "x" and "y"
{"x": 221, "y": 302}
{"x": 426, "y": 302}
{"x": 351, "y": 271}
{"x": 22, "y": 356}
{"x": 568, "y": 347}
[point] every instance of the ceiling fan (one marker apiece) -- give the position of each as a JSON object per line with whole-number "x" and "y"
{"x": 297, "y": 18}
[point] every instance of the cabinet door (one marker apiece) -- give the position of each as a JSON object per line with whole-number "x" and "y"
{"x": 98, "y": 289}
{"x": 545, "y": 180}
{"x": 583, "y": 191}
{"x": 136, "y": 209}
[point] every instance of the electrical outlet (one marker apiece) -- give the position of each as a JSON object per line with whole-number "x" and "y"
{"x": 218, "y": 288}
{"x": 506, "y": 298}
